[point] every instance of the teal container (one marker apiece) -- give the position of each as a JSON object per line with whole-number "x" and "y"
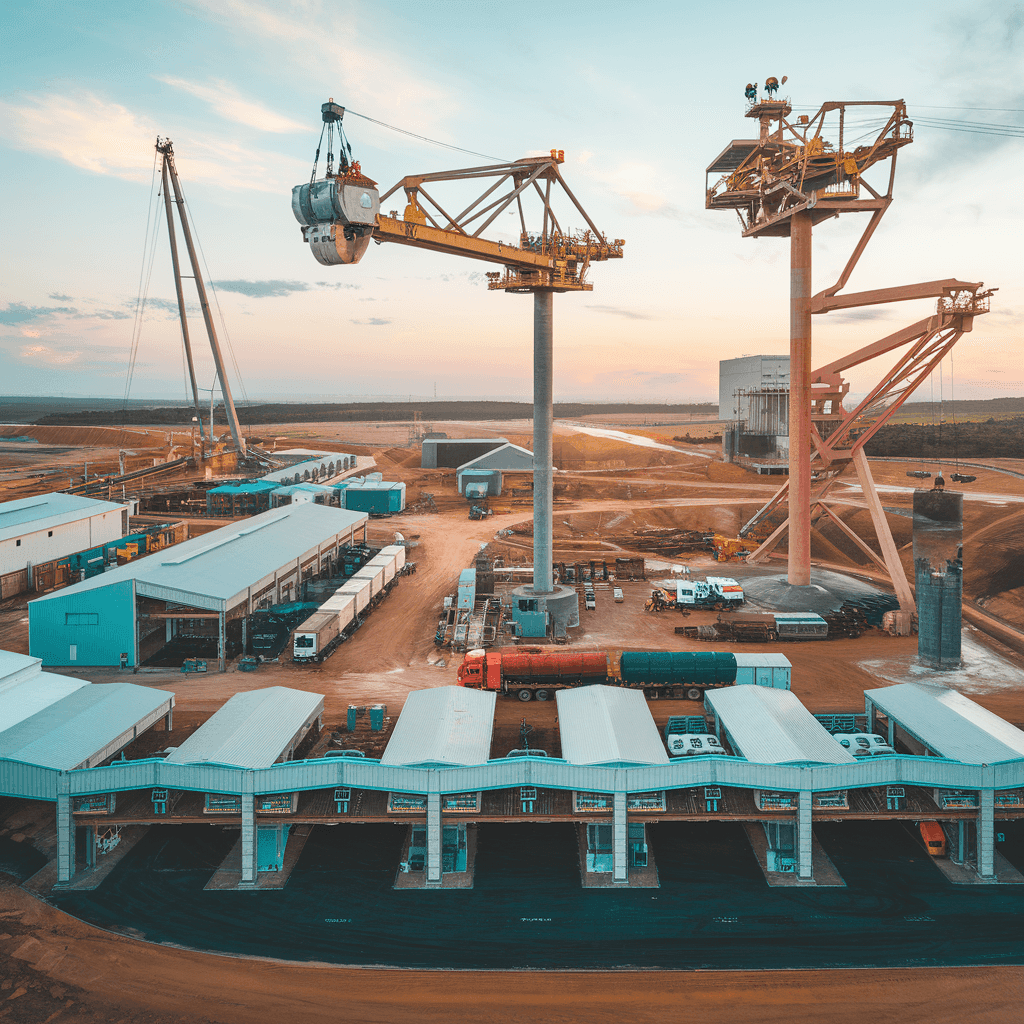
{"x": 351, "y": 717}
{"x": 377, "y": 713}
{"x": 682, "y": 668}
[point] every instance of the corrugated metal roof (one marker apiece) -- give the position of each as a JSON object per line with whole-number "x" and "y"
{"x": 509, "y": 457}
{"x": 949, "y": 723}
{"x": 762, "y": 660}
{"x": 252, "y": 730}
{"x": 770, "y": 726}
{"x": 74, "y": 728}
{"x": 307, "y": 486}
{"x": 45, "y": 511}
{"x": 608, "y": 725}
{"x": 245, "y": 487}
{"x": 287, "y": 473}
{"x": 223, "y": 563}
{"x": 25, "y": 689}
{"x": 445, "y": 725}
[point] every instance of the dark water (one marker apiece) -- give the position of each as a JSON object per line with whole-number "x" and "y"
{"x": 527, "y": 909}
{"x": 19, "y": 860}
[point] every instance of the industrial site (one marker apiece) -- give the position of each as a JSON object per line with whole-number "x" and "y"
{"x": 483, "y": 686}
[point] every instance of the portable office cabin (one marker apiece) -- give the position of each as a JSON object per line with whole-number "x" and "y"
{"x": 376, "y": 497}
{"x": 253, "y": 730}
{"x": 770, "y": 726}
{"x": 478, "y": 483}
{"x": 772, "y": 670}
{"x": 373, "y": 574}
{"x": 467, "y": 589}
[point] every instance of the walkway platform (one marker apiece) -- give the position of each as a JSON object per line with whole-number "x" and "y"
{"x": 449, "y": 879}
{"x": 964, "y": 874}
{"x": 44, "y": 881}
{"x": 637, "y": 878}
{"x": 229, "y": 874}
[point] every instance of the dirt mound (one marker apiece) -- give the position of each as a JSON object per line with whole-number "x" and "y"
{"x": 95, "y": 437}
{"x": 728, "y": 472}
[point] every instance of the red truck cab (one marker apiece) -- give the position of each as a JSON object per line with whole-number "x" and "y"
{"x": 481, "y": 670}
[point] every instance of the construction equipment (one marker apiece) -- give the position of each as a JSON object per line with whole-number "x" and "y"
{"x": 796, "y": 174}
{"x": 336, "y": 214}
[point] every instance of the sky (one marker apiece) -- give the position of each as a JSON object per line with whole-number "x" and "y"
{"x": 641, "y": 96}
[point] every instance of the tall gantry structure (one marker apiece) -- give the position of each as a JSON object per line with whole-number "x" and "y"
{"x": 341, "y": 212}
{"x": 797, "y": 173}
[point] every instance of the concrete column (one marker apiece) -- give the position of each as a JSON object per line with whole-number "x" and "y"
{"x": 804, "y": 841}
{"x": 961, "y": 841}
{"x": 65, "y": 831}
{"x": 543, "y": 416}
{"x": 433, "y": 839}
{"x": 169, "y": 720}
{"x": 986, "y": 834}
{"x": 620, "y": 862}
{"x": 800, "y": 400}
{"x": 248, "y": 831}
{"x": 90, "y": 846}
{"x": 245, "y": 633}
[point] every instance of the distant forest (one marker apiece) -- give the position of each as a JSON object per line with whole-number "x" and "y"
{"x": 384, "y": 412}
{"x": 993, "y": 439}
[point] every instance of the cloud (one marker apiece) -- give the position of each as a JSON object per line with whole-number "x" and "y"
{"x": 233, "y": 105}
{"x": 18, "y": 312}
{"x": 107, "y": 138}
{"x": 26, "y": 333}
{"x": 373, "y": 321}
{"x": 262, "y": 289}
{"x": 44, "y": 355}
{"x": 651, "y": 204}
{"x": 336, "y": 285}
{"x": 858, "y": 316}
{"x": 629, "y": 314}
{"x": 57, "y": 297}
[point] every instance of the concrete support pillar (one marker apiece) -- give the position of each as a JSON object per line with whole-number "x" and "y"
{"x": 169, "y": 720}
{"x": 986, "y": 834}
{"x": 800, "y": 400}
{"x": 804, "y": 840}
{"x": 620, "y": 863}
{"x": 543, "y": 415}
{"x": 220, "y": 642}
{"x": 65, "y": 831}
{"x": 961, "y": 846}
{"x": 245, "y": 634}
{"x": 249, "y": 850}
{"x": 433, "y": 839}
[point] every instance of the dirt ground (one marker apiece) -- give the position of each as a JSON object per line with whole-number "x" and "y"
{"x": 55, "y": 968}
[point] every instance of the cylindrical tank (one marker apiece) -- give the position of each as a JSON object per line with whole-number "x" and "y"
{"x": 582, "y": 667}
{"x": 670, "y": 668}
{"x": 938, "y": 571}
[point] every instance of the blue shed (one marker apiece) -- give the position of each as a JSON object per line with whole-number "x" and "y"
{"x": 479, "y": 483}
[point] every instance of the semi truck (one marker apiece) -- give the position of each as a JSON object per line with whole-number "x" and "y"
{"x": 535, "y": 673}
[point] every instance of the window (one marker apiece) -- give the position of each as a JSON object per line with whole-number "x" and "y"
{"x": 17, "y": 543}
{"x": 694, "y": 742}
{"x": 81, "y": 619}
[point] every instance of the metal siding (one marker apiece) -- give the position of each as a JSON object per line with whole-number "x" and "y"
{"x": 446, "y": 725}
{"x": 771, "y": 726}
{"x": 949, "y": 723}
{"x": 602, "y": 724}
{"x": 50, "y": 639}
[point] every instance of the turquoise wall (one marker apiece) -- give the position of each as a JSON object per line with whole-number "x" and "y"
{"x": 99, "y": 623}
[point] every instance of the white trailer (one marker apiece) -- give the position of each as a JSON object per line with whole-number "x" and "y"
{"x": 772, "y": 670}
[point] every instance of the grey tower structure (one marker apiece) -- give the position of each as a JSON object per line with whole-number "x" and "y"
{"x": 938, "y": 571}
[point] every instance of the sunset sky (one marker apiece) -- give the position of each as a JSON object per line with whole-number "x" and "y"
{"x": 641, "y": 96}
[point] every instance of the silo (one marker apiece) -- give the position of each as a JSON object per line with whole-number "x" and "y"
{"x": 938, "y": 570}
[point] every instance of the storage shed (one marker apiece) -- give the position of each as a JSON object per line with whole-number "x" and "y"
{"x": 451, "y": 452}
{"x": 773, "y": 670}
{"x": 476, "y": 484}
{"x": 376, "y": 497}
{"x": 204, "y": 583}
{"x": 51, "y": 526}
{"x": 301, "y": 494}
{"x": 443, "y": 727}
{"x": 609, "y": 726}
{"x": 253, "y": 730}
{"x": 248, "y": 498}
{"x": 508, "y": 458}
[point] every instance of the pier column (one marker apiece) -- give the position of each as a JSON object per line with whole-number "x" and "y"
{"x": 90, "y": 846}
{"x": 800, "y": 400}
{"x": 986, "y": 834}
{"x": 433, "y": 839}
{"x": 65, "y": 831}
{"x": 543, "y": 416}
{"x": 249, "y": 841}
{"x": 620, "y": 863}
{"x": 804, "y": 840}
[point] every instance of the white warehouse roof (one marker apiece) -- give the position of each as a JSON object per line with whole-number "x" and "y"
{"x": 25, "y": 689}
{"x": 46, "y": 511}
{"x": 252, "y": 730}
{"x": 948, "y": 723}
{"x": 210, "y": 570}
{"x": 86, "y": 727}
{"x": 509, "y": 457}
{"x": 608, "y": 725}
{"x": 771, "y": 726}
{"x": 447, "y": 725}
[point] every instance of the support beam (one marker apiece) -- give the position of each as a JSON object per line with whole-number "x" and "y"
{"x": 249, "y": 847}
{"x": 804, "y": 837}
{"x": 800, "y": 401}
{"x": 986, "y": 834}
{"x": 620, "y": 863}
{"x": 433, "y": 839}
{"x": 90, "y": 846}
{"x": 853, "y": 536}
{"x": 543, "y": 494}
{"x": 65, "y": 831}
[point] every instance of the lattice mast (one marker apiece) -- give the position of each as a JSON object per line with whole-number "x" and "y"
{"x": 796, "y": 174}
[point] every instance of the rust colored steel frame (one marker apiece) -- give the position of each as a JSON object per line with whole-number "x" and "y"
{"x": 555, "y": 259}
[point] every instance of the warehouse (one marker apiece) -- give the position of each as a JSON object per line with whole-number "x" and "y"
{"x": 933, "y": 721}
{"x": 26, "y": 689}
{"x": 611, "y": 727}
{"x": 324, "y": 466}
{"x": 51, "y": 526}
{"x": 451, "y": 452}
{"x": 248, "y": 498}
{"x": 445, "y": 727}
{"x": 770, "y": 726}
{"x": 299, "y": 494}
{"x": 254, "y": 730}
{"x": 206, "y": 584}
{"x": 508, "y": 458}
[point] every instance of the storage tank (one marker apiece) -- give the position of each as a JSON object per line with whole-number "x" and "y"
{"x": 670, "y": 668}
{"x": 938, "y": 571}
{"x": 585, "y": 667}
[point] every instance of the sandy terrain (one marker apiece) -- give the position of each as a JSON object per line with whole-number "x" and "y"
{"x": 54, "y": 968}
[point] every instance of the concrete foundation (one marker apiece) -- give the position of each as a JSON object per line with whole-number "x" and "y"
{"x": 545, "y": 614}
